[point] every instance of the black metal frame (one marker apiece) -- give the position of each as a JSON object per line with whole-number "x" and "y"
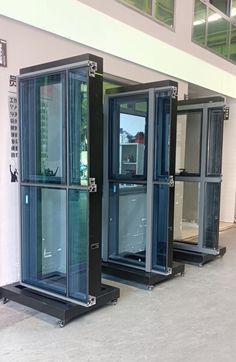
{"x": 40, "y": 300}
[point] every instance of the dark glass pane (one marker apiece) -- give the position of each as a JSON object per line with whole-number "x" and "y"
{"x": 188, "y": 143}
{"x": 218, "y": 34}
{"x": 44, "y": 238}
{"x": 222, "y": 5}
{"x": 42, "y": 116}
{"x": 233, "y": 43}
{"x": 199, "y": 23}
{"x": 127, "y": 223}
{"x": 78, "y": 244}
{"x": 162, "y": 137}
{"x": 160, "y": 227}
{"x": 211, "y": 215}
{"x": 186, "y": 218}
{"x": 143, "y": 5}
{"x": 128, "y": 139}
{"x": 164, "y": 11}
{"x": 215, "y": 142}
{"x": 78, "y": 119}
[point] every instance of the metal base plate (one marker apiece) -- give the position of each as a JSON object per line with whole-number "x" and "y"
{"x": 56, "y": 307}
{"x": 139, "y": 276}
{"x": 195, "y": 258}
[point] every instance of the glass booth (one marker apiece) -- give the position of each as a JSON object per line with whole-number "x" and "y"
{"x": 61, "y": 141}
{"x": 138, "y": 182}
{"x": 198, "y": 178}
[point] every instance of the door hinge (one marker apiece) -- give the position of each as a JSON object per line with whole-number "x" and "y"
{"x": 171, "y": 181}
{"x": 174, "y": 92}
{"x": 226, "y": 113}
{"x": 93, "y": 67}
{"x": 92, "y": 186}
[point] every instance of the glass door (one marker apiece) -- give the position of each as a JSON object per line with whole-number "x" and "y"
{"x": 56, "y": 205}
{"x": 138, "y": 208}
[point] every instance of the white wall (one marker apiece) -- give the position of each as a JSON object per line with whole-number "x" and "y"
{"x": 28, "y": 46}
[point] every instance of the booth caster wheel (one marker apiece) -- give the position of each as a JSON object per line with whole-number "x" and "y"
{"x": 61, "y": 324}
{"x": 5, "y": 300}
{"x": 182, "y": 274}
{"x": 150, "y": 287}
{"x": 114, "y": 302}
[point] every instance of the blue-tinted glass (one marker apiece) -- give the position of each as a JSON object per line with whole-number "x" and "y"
{"x": 211, "y": 215}
{"x": 162, "y": 137}
{"x": 127, "y": 223}
{"x": 215, "y": 142}
{"x": 78, "y": 244}
{"x": 78, "y": 119}
{"x": 128, "y": 119}
{"x": 42, "y": 120}
{"x": 160, "y": 227}
{"x": 44, "y": 238}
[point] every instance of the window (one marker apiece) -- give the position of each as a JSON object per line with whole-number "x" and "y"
{"x": 222, "y": 5}
{"x": 161, "y": 10}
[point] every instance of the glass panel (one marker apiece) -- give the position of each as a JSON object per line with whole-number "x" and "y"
{"x": 144, "y": 5}
{"x": 42, "y": 128}
{"x": 233, "y": 9}
{"x": 44, "y": 238}
{"x": 215, "y": 142}
{"x": 78, "y": 118}
{"x": 78, "y": 244}
{"x": 160, "y": 227}
{"x": 162, "y": 137}
{"x": 233, "y": 43}
{"x": 164, "y": 11}
{"x": 186, "y": 218}
{"x": 222, "y": 5}
{"x": 218, "y": 33}
{"x": 128, "y": 141}
{"x": 188, "y": 143}
{"x": 211, "y": 215}
{"x": 127, "y": 223}
{"x": 199, "y": 23}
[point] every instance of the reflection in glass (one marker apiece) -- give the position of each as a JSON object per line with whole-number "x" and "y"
{"x": 215, "y": 141}
{"x": 162, "y": 137}
{"x": 143, "y": 5}
{"x": 42, "y": 129}
{"x": 78, "y": 119}
{"x": 218, "y": 33}
{"x": 127, "y": 223}
{"x": 164, "y": 11}
{"x": 160, "y": 227}
{"x": 128, "y": 139}
{"x": 222, "y": 5}
{"x": 188, "y": 143}
{"x": 199, "y": 23}
{"x": 78, "y": 244}
{"x": 186, "y": 218}
{"x": 44, "y": 238}
{"x": 211, "y": 215}
{"x": 233, "y": 43}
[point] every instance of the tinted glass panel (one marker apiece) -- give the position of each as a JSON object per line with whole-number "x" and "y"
{"x": 188, "y": 143}
{"x": 222, "y": 5}
{"x": 218, "y": 33}
{"x": 160, "y": 227}
{"x": 78, "y": 118}
{"x": 186, "y": 217}
{"x": 78, "y": 244}
{"x": 162, "y": 136}
{"x": 164, "y": 11}
{"x": 199, "y": 22}
{"x": 127, "y": 223}
{"x": 128, "y": 141}
{"x": 44, "y": 238}
{"x": 42, "y": 118}
{"x": 211, "y": 215}
{"x": 215, "y": 141}
{"x": 233, "y": 43}
{"x": 144, "y": 5}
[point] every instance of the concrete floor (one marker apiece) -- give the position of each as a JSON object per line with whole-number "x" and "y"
{"x": 191, "y": 318}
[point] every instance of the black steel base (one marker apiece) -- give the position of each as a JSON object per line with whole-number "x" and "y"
{"x": 195, "y": 258}
{"x": 63, "y": 310}
{"x": 139, "y": 276}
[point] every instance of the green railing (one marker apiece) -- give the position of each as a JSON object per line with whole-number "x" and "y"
{"x": 160, "y": 10}
{"x": 214, "y": 30}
